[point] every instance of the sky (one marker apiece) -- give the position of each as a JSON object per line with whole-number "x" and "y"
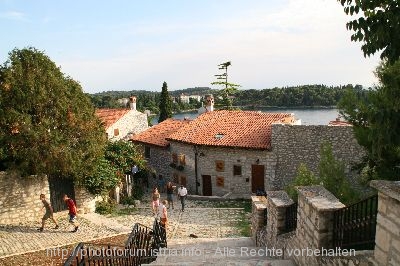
{"x": 133, "y": 45}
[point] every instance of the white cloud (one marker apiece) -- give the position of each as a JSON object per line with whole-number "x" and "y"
{"x": 13, "y": 15}
{"x": 304, "y": 42}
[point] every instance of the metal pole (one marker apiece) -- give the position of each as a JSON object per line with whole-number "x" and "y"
{"x": 195, "y": 169}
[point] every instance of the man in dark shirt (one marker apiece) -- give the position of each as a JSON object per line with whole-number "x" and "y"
{"x": 48, "y": 214}
{"x": 72, "y": 212}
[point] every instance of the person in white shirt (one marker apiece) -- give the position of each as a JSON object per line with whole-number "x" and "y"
{"x": 182, "y": 193}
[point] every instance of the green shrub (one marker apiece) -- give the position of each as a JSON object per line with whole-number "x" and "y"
{"x": 331, "y": 175}
{"x": 127, "y": 200}
{"x": 304, "y": 177}
{"x": 105, "y": 207}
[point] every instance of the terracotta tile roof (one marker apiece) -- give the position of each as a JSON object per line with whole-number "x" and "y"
{"x": 242, "y": 129}
{"x": 339, "y": 123}
{"x": 156, "y": 134}
{"x": 110, "y": 116}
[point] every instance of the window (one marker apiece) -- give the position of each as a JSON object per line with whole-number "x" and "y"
{"x": 237, "y": 170}
{"x": 220, "y": 181}
{"x": 146, "y": 151}
{"x": 219, "y": 166}
{"x": 116, "y": 131}
{"x": 182, "y": 160}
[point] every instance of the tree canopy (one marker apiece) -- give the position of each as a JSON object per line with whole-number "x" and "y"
{"x": 47, "y": 123}
{"x": 165, "y": 104}
{"x": 376, "y": 122}
{"x": 378, "y": 26}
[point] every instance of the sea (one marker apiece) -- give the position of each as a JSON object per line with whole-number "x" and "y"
{"x": 314, "y": 116}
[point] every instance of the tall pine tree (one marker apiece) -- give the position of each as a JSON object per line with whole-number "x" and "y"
{"x": 165, "y": 104}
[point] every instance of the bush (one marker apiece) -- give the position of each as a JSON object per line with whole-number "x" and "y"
{"x": 304, "y": 178}
{"x": 331, "y": 176}
{"x": 105, "y": 207}
{"x": 137, "y": 192}
{"x": 127, "y": 200}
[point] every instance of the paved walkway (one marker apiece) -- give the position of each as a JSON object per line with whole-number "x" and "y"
{"x": 204, "y": 222}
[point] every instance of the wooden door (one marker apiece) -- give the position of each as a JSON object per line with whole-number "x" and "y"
{"x": 207, "y": 186}
{"x": 257, "y": 177}
{"x": 58, "y": 187}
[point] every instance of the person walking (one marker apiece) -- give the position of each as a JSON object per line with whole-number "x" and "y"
{"x": 48, "y": 214}
{"x": 182, "y": 194}
{"x": 170, "y": 194}
{"x": 72, "y": 212}
{"x": 162, "y": 212}
{"x": 155, "y": 200}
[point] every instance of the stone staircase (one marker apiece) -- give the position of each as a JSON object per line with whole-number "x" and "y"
{"x": 216, "y": 251}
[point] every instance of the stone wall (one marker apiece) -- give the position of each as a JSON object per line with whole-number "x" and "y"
{"x": 295, "y": 144}
{"x": 314, "y": 222}
{"x": 387, "y": 241}
{"x": 132, "y": 122}
{"x": 160, "y": 159}
{"x": 19, "y": 197}
{"x": 207, "y": 157}
{"x": 85, "y": 201}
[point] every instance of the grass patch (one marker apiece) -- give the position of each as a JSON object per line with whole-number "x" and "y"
{"x": 237, "y": 203}
{"x": 243, "y": 225}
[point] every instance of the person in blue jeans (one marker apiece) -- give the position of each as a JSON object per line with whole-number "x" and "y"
{"x": 182, "y": 193}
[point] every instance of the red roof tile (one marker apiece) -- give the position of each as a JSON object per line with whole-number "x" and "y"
{"x": 339, "y": 123}
{"x": 110, "y": 116}
{"x": 242, "y": 129}
{"x": 156, "y": 134}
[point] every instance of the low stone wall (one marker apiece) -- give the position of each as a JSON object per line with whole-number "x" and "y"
{"x": 19, "y": 197}
{"x": 85, "y": 201}
{"x": 313, "y": 232}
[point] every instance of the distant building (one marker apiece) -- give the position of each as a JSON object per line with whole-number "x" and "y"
{"x": 123, "y": 123}
{"x": 155, "y": 147}
{"x": 183, "y": 98}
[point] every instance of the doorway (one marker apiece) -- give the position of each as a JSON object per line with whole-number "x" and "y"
{"x": 207, "y": 186}
{"x": 257, "y": 177}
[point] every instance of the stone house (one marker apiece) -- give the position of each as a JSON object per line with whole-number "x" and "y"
{"x": 225, "y": 152}
{"x": 155, "y": 147}
{"x": 123, "y": 123}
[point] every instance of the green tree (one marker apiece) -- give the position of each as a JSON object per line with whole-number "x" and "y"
{"x": 333, "y": 178}
{"x": 229, "y": 88}
{"x": 376, "y": 122}
{"x": 304, "y": 177}
{"x": 103, "y": 179}
{"x": 165, "y": 104}
{"x": 47, "y": 123}
{"x": 123, "y": 155}
{"x": 378, "y": 26}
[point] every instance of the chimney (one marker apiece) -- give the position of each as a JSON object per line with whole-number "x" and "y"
{"x": 132, "y": 102}
{"x": 209, "y": 103}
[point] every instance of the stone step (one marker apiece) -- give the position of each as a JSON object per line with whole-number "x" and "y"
{"x": 229, "y": 262}
{"x": 216, "y": 251}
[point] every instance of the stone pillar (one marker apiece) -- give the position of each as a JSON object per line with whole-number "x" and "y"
{"x": 277, "y": 202}
{"x": 259, "y": 204}
{"x": 387, "y": 240}
{"x": 315, "y": 220}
